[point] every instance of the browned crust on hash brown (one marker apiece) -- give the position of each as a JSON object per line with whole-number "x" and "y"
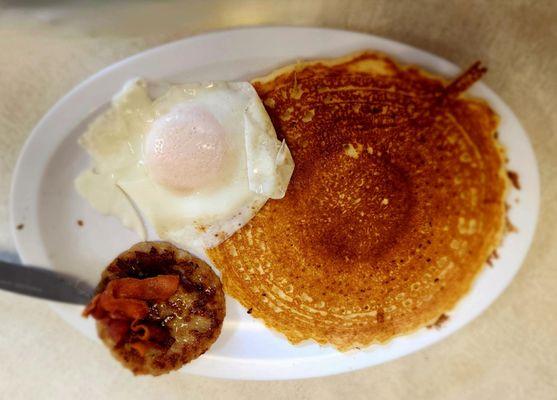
{"x": 199, "y": 298}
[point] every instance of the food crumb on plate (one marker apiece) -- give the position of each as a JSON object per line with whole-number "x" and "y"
{"x": 491, "y": 257}
{"x": 438, "y": 324}
{"x": 513, "y": 176}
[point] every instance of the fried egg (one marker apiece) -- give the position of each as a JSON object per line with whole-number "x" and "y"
{"x": 194, "y": 164}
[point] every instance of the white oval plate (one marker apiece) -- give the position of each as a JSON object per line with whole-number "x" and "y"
{"x": 44, "y": 200}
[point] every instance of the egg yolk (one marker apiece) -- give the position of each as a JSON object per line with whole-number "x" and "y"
{"x": 185, "y": 149}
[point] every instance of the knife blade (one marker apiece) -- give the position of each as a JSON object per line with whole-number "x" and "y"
{"x": 44, "y": 283}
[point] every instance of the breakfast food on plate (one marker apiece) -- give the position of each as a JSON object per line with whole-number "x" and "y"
{"x": 197, "y": 162}
{"x": 157, "y": 308}
{"x": 397, "y": 200}
{"x": 396, "y": 203}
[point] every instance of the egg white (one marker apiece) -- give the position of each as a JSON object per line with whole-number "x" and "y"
{"x": 258, "y": 166}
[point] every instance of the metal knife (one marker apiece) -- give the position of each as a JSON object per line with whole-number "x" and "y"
{"x": 44, "y": 283}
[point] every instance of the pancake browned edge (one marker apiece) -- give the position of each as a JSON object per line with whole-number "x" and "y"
{"x": 396, "y": 202}
{"x": 177, "y": 330}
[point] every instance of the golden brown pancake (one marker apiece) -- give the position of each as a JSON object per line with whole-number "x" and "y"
{"x": 157, "y": 308}
{"x": 396, "y": 202}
